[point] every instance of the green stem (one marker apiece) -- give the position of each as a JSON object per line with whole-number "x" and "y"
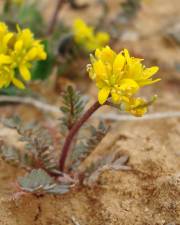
{"x": 7, "y": 6}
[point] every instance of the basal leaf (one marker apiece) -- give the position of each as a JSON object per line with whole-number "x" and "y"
{"x": 39, "y": 182}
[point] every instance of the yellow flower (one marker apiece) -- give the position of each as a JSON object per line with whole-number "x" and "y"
{"x": 17, "y": 52}
{"x": 26, "y": 50}
{"x": 86, "y": 37}
{"x": 119, "y": 77}
{"x": 136, "y": 106}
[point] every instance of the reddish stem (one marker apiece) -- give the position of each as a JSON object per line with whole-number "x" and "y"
{"x": 73, "y": 132}
{"x": 53, "y": 21}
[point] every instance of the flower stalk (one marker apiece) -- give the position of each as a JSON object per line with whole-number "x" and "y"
{"x": 54, "y": 18}
{"x": 72, "y": 133}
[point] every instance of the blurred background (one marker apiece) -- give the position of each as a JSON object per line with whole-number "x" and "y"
{"x": 150, "y": 29}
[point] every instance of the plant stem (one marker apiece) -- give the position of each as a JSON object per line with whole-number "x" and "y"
{"x": 7, "y": 6}
{"x": 73, "y": 132}
{"x": 54, "y": 18}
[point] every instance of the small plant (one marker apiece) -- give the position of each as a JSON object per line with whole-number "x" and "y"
{"x": 118, "y": 78}
{"x": 39, "y": 182}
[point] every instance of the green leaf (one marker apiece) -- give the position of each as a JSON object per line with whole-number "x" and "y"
{"x": 73, "y": 106}
{"x": 86, "y": 146}
{"x": 39, "y": 182}
{"x": 13, "y": 122}
{"x": 15, "y": 156}
{"x": 42, "y": 69}
{"x": 38, "y": 150}
{"x": 10, "y": 155}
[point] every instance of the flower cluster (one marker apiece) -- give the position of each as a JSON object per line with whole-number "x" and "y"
{"x": 119, "y": 77}
{"x": 17, "y": 52}
{"x": 86, "y": 37}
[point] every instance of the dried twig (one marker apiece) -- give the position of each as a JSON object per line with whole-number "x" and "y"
{"x": 109, "y": 116}
{"x": 30, "y": 101}
{"x": 150, "y": 116}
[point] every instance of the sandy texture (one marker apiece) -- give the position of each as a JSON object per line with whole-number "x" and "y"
{"x": 148, "y": 194}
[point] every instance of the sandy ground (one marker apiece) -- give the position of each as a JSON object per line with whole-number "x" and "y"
{"x": 148, "y": 194}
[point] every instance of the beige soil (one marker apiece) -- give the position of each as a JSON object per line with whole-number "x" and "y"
{"x": 148, "y": 194}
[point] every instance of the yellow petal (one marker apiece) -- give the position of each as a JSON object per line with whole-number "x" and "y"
{"x": 149, "y": 72}
{"x": 127, "y": 56}
{"x": 7, "y": 38}
{"x": 90, "y": 45}
{"x": 36, "y": 53}
{"x": 18, "y": 28}
{"x": 4, "y": 59}
{"x": 31, "y": 55}
{"x": 102, "y": 38}
{"x": 27, "y": 37}
{"x": 135, "y": 70}
{"x": 18, "y": 45}
{"x": 103, "y": 95}
{"x": 3, "y": 28}
{"x": 107, "y": 55}
{"x": 136, "y": 107}
{"x": 142, "y": 83}
{"x": 79, "y": 24}
{"x": 100, "y": 69}
{"x": 83, "y": 34}
{"x": 18, "y": 83}
{"x": 98, "y": 53}
{"x": 129, "y": 86}
{"x": 139, "y": 112}
{"x": 42, "y": 55}
{"x": 100, "y": 83}
{"x": 118, "y": 64}
{"x": 116, "y": 98}
{"x": 25, "y": 72}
